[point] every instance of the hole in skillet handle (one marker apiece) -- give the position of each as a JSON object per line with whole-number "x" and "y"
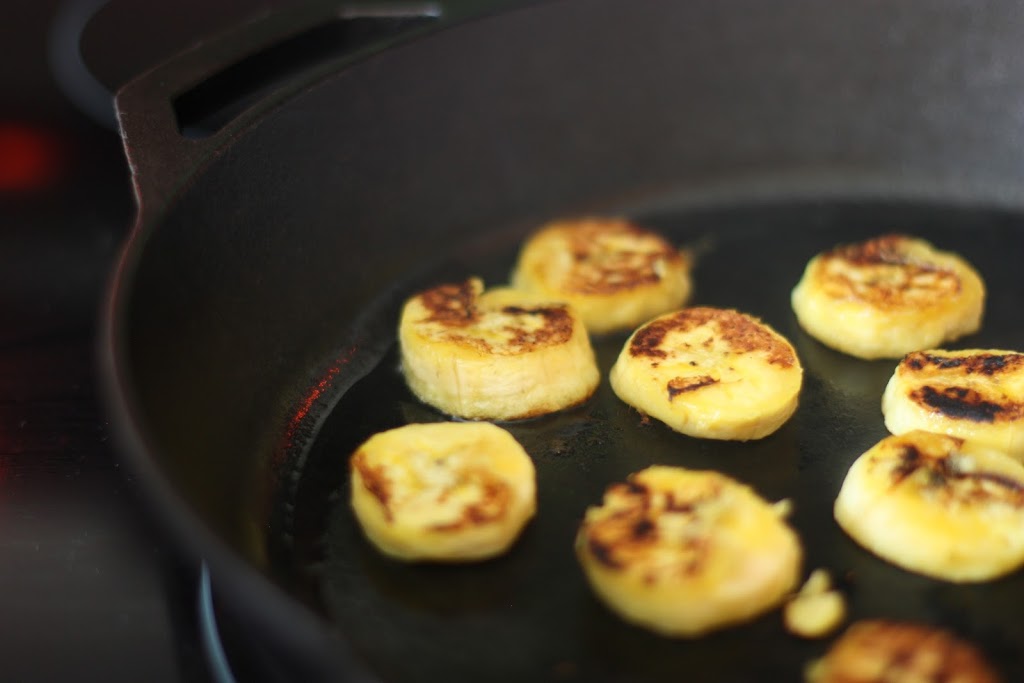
{"x": 210, "y": 105}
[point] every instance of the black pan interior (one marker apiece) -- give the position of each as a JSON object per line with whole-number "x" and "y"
{"x": 529, "y": 615}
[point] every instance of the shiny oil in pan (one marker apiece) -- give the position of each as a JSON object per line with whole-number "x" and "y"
{"x": 529, "y": 616}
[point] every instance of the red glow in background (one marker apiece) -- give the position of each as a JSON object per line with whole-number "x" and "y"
{"x": 31, "y": 157}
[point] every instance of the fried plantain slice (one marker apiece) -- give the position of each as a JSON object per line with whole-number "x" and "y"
{"x": 447, "y": 491}
{"x": 711, "y": 373}
{"x": 936, "y": 505}
{"x": 888, "y": 296}
{"x": 975, "y": 394}
{"x": 496, "y": 355}
{"x": 685, "y": 552}
{"x": 884, "y": 651}
{"x": 615, "y": 273}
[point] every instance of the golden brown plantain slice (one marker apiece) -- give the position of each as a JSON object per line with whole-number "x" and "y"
{"x": 936, "y": 505}
{"x": 684, "y": 552}
{"x": 710, "y": 372}
{"x": 496, "y": 355}
{"x": 975, "y": 394}
{"x": 616, "y": 274}
{"x": 880, "y": 651}
{"x": 447, "y": 491}
{"x": 888, "y": 296}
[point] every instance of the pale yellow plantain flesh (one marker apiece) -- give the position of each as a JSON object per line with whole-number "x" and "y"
{"x": 496, "y": 355}
{"x": 888, "y": 296}
{"x": 975, "y": 394}
{"x": 936, "y": 505}
{"x": 448, "y": 491}
{"x": 616, "y": 274}
{"x": 684, "y": 552}
{"x": 817, "y": 609}
{"x": 880, "y": 651}
{"x": 711, "y": 373}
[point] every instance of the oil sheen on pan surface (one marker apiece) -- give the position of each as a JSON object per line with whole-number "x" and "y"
{"x": 529, "y": 615}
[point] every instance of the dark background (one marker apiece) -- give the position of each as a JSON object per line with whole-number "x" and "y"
{"x": 89, "y": 590}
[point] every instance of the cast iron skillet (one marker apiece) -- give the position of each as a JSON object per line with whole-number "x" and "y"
{"x": 249, "y": 335}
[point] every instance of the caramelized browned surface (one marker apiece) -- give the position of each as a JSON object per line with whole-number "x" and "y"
{"x": 375, "y": 481}
{"x": 627, "y": 532}
{"x": 741, "y": 333}
{"x": 951, "y": 393}
{"x": 988, "y": 364}
{"x": 964, "y": 403}
{"x": 613, "y": 256}
{"x": 453, "y": 305}
{"x": 681, "y": 385}
{"x": 948, "y": 481}
{"x": 887, "y": 249}
{"x": 879, "y": 651}
{"x": 456, "y": 314}
{"x": 885, "y": 273}
{"x": 556, "y": 327}
{"x": 492, "y": 506}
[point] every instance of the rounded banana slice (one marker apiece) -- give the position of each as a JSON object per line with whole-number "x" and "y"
{"x": 880, "y": 651}
{"x": 936, "y": 505}
{"x": 448, "y": 491}
{"x": 888, "y": 296}
{"x": 617, "y": 275}
{"x": 711, "y": 373}
{"x": 684, "y": 552}
{"x": 496, "y": 355}
{"x": 974, "y": 394}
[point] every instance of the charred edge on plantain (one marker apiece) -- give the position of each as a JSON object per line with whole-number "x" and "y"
{"x": 643, "y": 530}
{"x": 680, "y": 385}
{"x": 941, "y": 471}
{"x": 374, "y": 481}
{"x": 603, "y": 553}
{"x": 909, "y": 461}
{"x": 557, "y": 329}
{"x": 962, "y": 403}
{"x": 982, "y": 364}
{"x": 740, "y": 332}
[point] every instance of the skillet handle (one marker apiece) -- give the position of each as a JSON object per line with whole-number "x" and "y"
{"x": 175, "y": 116}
